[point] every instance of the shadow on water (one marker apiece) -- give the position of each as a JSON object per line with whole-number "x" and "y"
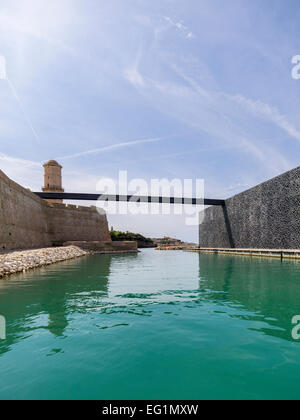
{"x": 49, "y": 293}
{"x": 267, "y": 289}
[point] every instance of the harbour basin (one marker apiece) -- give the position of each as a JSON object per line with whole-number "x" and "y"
{"x": 153, "y": 325}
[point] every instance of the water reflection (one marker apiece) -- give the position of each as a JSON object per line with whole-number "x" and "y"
{"x": 42, "y": 299}
{"x": 106, "y": 291}
{"x": 267, "y": 289}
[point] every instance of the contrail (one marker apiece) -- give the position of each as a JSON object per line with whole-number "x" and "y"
{"x": 23, "y": 110}
{"x": 3, "y": 76}
{"x": 112, "y": 147}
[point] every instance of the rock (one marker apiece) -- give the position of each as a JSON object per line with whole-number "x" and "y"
{"x": 17, "y": 262}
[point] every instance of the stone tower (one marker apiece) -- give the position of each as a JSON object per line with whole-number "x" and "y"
{"x": 53, "y": 179}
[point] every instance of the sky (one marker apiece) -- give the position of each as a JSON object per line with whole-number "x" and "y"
{"x": 169, "y": 89}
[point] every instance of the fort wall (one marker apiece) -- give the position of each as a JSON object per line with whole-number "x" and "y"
{"x": 72, "y": 223}
{"x": 27, "y": 222}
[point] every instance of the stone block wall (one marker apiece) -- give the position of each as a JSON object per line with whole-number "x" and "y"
{"x": 72, "y": 223}
{"x": 23, "y": 217}
{"x": 105, "y": 247}
{"x": 26, "y": 221}
{"x": 266, "y": 216}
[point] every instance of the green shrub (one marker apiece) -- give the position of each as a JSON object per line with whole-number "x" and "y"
{"x": 129, "y": 236}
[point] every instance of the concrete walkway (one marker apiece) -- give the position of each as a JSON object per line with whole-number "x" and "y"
{"x": 273, "y": 253}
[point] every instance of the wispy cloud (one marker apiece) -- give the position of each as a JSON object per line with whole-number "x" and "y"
{"x": 237, "y": 187}
{"x": 113, "y": 147}
{"x": 18, "y": 161}
{"x": 230, "y": 89}
{"x": 134, "y": 77}
{"x": 269, "y": 113}
{"x": 132, "y": 74}
{"x": 27, "y": 173}
{"x": 215, "y": 113}
{"x": 20, "y": 103}
{"x": 257, "y": 108}
{"x": 180, "y": 26}
{"x": 23, "y": 22}
{"x": 4, "y": 76}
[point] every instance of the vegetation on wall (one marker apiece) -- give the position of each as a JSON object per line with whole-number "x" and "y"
{"x": 129, "y": 236}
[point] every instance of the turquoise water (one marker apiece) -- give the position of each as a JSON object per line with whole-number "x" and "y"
{"x": 157, "y": 325}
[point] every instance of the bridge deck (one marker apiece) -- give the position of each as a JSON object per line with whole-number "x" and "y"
{"x": 130, "y": 198}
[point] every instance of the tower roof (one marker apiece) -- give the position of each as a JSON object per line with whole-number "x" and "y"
{"x": 52, "y": 163}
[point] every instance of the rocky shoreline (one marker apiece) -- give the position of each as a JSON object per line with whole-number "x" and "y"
{"x": 13, "y": 262}
{"x": 22, "y": 261}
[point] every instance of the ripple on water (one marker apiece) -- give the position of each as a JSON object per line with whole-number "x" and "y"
{"x": 152, "y": 326}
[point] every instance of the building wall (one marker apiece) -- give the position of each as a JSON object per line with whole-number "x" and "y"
{"x": 266, "y": 216}
{"x": 52, "y": 178}
{"x": 26, "y": 221}
{"x": 72, "y": 223}
{"x": 23, "y": 217}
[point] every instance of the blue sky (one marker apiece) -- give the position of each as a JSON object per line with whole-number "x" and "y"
{"x": 162, "y": 88}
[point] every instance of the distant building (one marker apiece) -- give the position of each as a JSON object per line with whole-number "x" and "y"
{"x": 167, "y": 241}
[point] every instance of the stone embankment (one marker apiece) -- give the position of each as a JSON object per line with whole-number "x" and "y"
{"x": 101, "y": 247}
{"x": 21, "y": 261}
{"x": 292, "y": 254}
{"x": 175, "y": 248}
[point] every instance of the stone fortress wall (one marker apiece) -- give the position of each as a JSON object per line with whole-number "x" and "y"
{"x": 28, "y": 222}
{"x": 76, "y": 223}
